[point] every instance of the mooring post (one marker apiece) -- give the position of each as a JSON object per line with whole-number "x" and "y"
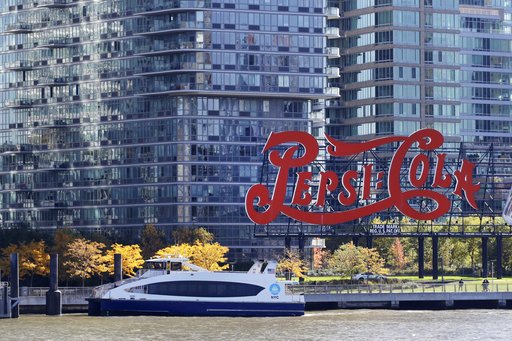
{"x": 421, "y": 257}
{"x": 499, "y": 257}
{"x": 54, "y": 296}
{"x": 118, "y": 267}
{"x": 435, "y": 260}
{"x": 15, "y": 286}
{"x": 484, "y": 257}
{"x": 4, "y": 311}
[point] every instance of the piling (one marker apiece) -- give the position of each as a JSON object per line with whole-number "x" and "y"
{"x": 118, "y": 267}
{"x": 15, "y": 285}
{"x": 54, "y": 296}
{"x": 5, "y": 307}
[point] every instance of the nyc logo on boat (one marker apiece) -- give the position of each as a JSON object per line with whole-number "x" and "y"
{"x": 274, "y": 289}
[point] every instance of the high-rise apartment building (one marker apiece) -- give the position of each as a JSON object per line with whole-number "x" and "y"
{"x": 119, "y": 113}
{"x": 411, "y": 64}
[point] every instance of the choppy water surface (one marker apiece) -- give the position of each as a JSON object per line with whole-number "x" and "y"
{"x": 327, "y": 325}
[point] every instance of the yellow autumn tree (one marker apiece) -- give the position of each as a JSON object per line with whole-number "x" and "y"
{"x": 209, "y": 255}
{"x": 205, "y": 255}
{"x": 33, "y": 259}
{"x": 291, "y": 262}
{"x": 5, "y": 260}
{"x": 84, "y": 259}
{"x": 181, "y": 250}
{"x": 132, "y": 258}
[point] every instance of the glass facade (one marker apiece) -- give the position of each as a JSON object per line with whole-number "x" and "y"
{"x": 119, "y": 113}
{"x": 486, "y": 71}
{"x": 411, "y": 64}
{"x": 400, "y": 67}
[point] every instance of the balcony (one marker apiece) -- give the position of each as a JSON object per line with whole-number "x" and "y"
{"x": 332, "y": 72}
{"x": 332, "y": 32}
{"x": 54, "y": 81}
{"x": 333, "y": 103}
{"x": 170, "y": 26}
{"x": 20, "y": 103}
{"x": 157, "y": 7}
{"x": 332, "y": 91}
{"x": 20, "y": 65}
{"x": 54, "y": 43}
{"x": 332, "y": 52}
{"x": 169, "y": 47}
{"x": 318, "y": 105}
{"x": 19, "y": 28}
{"x": 57, "y": 3}
{"x": 164, "y": 68}
{"x": 332, "y": 12}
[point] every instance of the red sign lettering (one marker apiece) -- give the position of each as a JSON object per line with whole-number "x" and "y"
{"x": 273, "y": 204}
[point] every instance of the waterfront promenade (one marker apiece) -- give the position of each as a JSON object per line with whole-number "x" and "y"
{"x": 413, "y": 295}
{"x": 410, "y": 295}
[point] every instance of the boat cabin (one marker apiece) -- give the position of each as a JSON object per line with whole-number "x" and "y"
{"x": 163, "y": 264}
{"x": 166, "y": 265}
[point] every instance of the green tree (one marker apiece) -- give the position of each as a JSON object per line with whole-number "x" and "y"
{"x": 151, "y": 240}
{"x": 84, "y": 259}
{"x": 349, "y": 259}
{"x": 373, "y": 261}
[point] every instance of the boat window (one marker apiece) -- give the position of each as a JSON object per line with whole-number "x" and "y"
{"x": 175, "y": 266}
{"x": 154, "y": 266}
{"x": 204, "y": 289}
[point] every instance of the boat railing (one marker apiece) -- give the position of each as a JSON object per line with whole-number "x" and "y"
{"x": 99, "y": 291}
{"x": 150, "y": 272}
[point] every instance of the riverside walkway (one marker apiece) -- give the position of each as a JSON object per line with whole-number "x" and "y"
{"x": 33, "y": 299}
{"x": 411, "y": 295}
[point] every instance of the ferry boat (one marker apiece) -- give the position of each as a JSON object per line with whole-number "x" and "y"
{"x": 174, "y": 286}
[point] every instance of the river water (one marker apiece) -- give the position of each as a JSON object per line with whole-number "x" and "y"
{"x": 482, "y": 325}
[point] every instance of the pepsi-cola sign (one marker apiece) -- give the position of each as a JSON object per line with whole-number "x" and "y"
{"x": 272, "y": 204}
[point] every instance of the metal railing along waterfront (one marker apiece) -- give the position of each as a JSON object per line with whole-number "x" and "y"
{"x": 66, "y": 291}
{"x": 396, "y": 288}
